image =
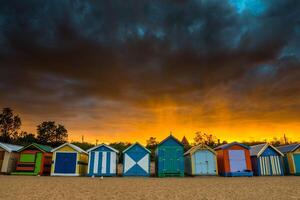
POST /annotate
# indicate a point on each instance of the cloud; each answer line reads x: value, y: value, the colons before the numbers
x: 65, y: 57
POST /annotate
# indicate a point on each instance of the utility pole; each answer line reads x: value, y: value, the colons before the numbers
x: 96, y: 142
x: 285, y: 139
x: 82, y: 138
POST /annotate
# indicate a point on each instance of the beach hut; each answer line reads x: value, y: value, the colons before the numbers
x: 200, y: 160
x: 34, y: 159
x: 8, y: 157
x: 291, y: 158
x: 69, y: 160
x: 103, y: 161
x: 136, y: 161
x: 266, y: 160
x: 234, y: 160
x: 169, y: 158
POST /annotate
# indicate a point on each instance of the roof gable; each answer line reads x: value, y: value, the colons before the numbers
x: 135, y: 145
x: 227, y: 146
x: 10, y: 147
x: 43, y: 148
x: 199, y: 148
x: 76, y: 148
x: 258, y: 150
x: 288, y: 148
x: 102, y: 145
x: 168, y: 139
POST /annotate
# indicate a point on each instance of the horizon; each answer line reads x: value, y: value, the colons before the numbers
x: 115, y: 71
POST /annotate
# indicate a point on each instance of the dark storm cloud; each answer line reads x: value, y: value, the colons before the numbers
x: 62, y: 53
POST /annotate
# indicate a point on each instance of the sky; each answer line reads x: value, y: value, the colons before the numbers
x: 128, y: 70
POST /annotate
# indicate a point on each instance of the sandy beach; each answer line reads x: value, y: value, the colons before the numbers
x: 26, y: 187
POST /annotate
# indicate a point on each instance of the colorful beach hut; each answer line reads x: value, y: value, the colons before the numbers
x: 234, y: 160
x: 200, y: 160
x: 34, y: 159
x: 136, y: 161
x: 8, y: 157
x: 266, y: 160
x: 169, y: 158
x: 291, y: 158
x: 103, y: 161
x: 69, y: 160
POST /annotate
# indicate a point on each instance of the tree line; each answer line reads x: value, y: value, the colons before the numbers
x: 52, y: 134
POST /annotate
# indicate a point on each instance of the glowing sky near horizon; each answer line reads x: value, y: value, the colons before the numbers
x: 125, y: 71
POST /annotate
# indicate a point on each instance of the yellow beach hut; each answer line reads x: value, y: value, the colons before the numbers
x: 69, y: 160
x: 291, y: 158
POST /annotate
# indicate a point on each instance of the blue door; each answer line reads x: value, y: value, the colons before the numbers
x: 297, y: 163
x: 237, y: 160
x: 205, y: 163
x: 65, y: 163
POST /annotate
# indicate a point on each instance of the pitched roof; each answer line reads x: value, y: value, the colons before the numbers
x: 226, y: 146
x: 288, y: 148
x: 41, y: 147
x: 199, y: 147
x: 107, y: 146
x: 138, y: 145
x: 76, y: 148
x: 10, y: 147
x: 257, y: 150
x: 170, y: 137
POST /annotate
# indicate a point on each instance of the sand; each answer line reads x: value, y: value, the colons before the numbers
x: 29, y: 187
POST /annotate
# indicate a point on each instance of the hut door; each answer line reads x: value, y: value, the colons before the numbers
x: 237, y: 160
x: 297, y: 162
x: 65, y: 163
x: 201, y: 165
x: 171, y: 162
x: 1, y: 158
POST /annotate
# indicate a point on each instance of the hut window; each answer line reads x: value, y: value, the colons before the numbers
x: 26, y: 157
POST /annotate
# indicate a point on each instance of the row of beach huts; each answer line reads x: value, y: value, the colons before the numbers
x: 234, y: 159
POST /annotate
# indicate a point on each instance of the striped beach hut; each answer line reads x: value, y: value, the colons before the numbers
x: 103, y: 161
x: 8, y: 157
x: 169, y: 158
x: 291, y: 158
x: 136, y: 161
x: 234, y: 160
x: 69, y: 160
x: 266, y: 160
x: 34, y: 159
x: 200, y: 160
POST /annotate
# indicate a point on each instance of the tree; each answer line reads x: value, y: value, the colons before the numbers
x: 151, y: 145
x: 25, y: 138
x: 49, y: 133
x: 185, y: 143
x: 204, y: 138
x: 9, y: 125
x: 120, y: 146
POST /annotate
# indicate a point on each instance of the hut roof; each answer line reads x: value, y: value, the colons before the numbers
x: 76, y: 148
x: 257, y: 150
x: 289, y: 148
x: 10, y: 147
x: 43, y: 148
x: 199, y: 147
x: 170, y: 137
x: 100, y: 145
x: 226, y: 146
x: 138, y: 145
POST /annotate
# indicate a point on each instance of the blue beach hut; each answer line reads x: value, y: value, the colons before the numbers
x: 169, y: 158
x: 136, y: 161
x: 103, y: 161
x: 266, y: 160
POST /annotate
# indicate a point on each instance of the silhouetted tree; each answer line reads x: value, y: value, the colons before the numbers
x: 51, y: 134
x: 120, y: 146
x: 84, y: 145
x: 204, y: 138
x: 185, y: 143
x: 151, y: 145
x: 9, y: 125
x: 25, y: 138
